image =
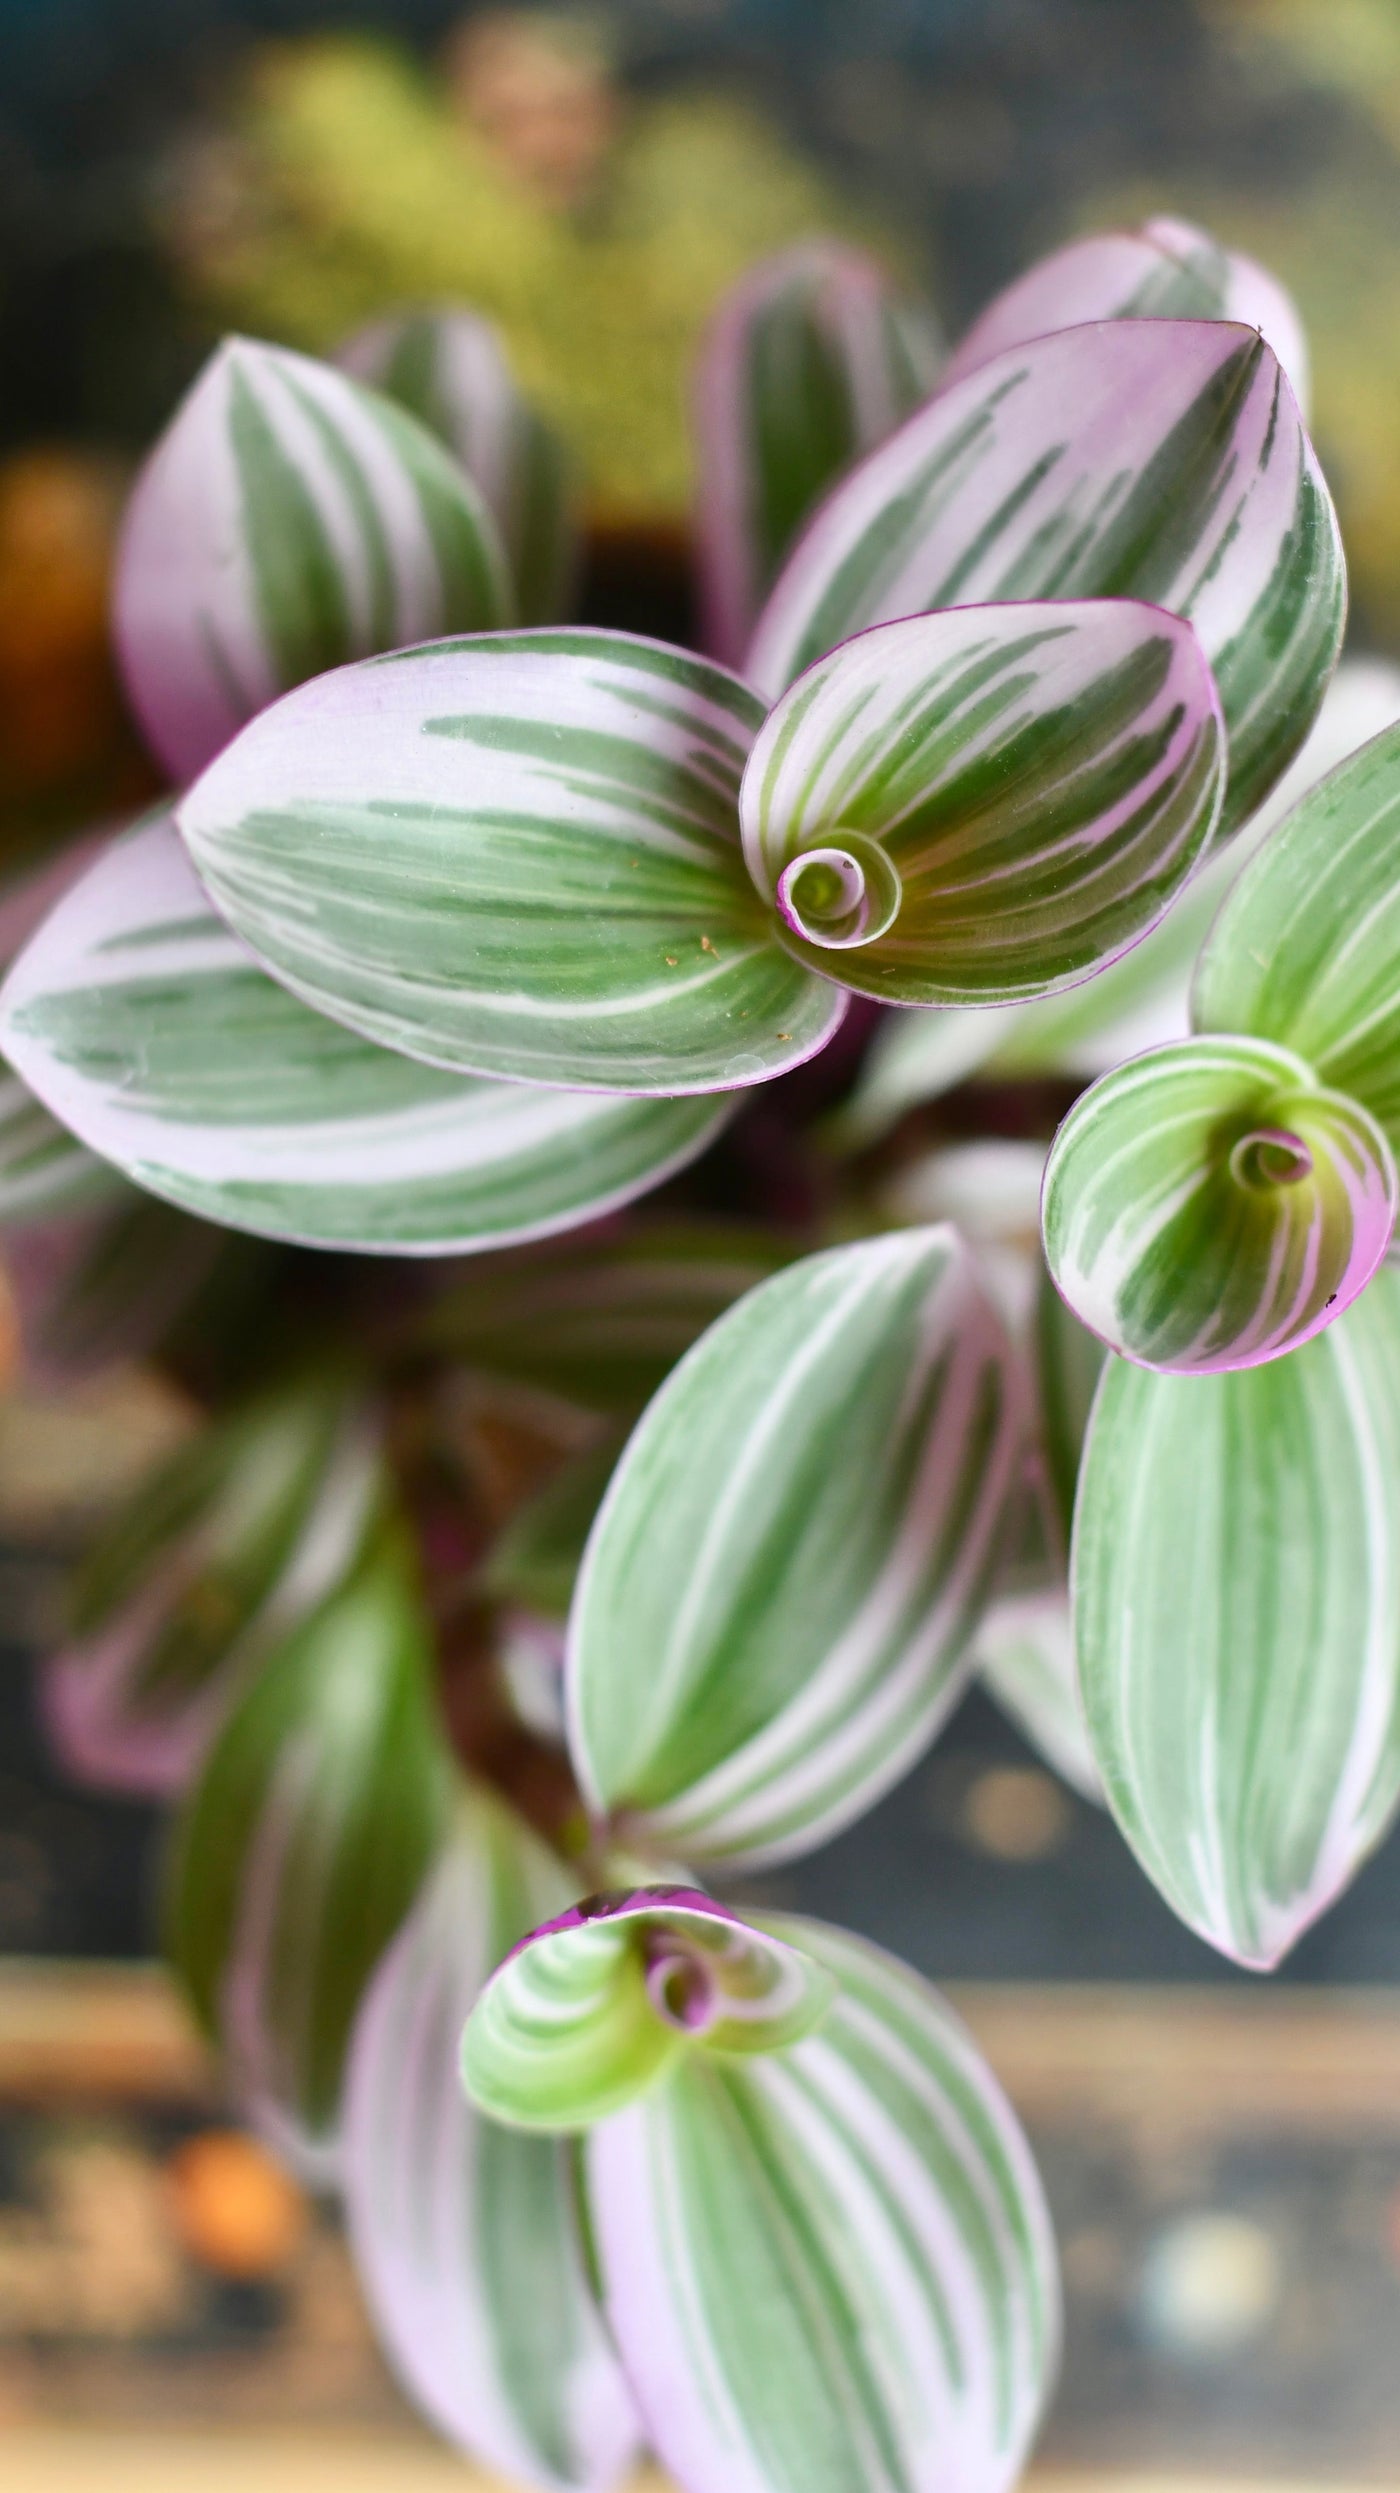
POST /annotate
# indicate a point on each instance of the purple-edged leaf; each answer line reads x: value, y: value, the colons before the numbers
x: 155, y: 1035
x: 810, y: 361
x: 1237, y: 1609
x: 229, y: 1543
x: 304, y: 1842
x: 1136, y: 458
x: 986, y: 804
x: 515, y: 856
x: 1211, y: 1205
x: 831, y: 2267
x: 773, y: 1613
x: 287, y: 520
x: 466, y: 2235
x: 449, y: 369
x: 601, y: 2003
x: 1166, y: 270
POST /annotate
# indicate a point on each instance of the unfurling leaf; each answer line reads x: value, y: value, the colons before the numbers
x: 601, y: 2003
x: 288, y: 520
x: 987, y: 803
x: 1237, y: 1608
x: 305, y: 1841
x: 775, y: 1604
x: 1210, y: 1205
x: 1146, y: 459
x: 466, y: 2235
x: 153, y: 1032
x: 516, y: 856
x: 1306, y: 950
x: 809, y: 362
x: 602, y: 1321
x: 831, y: 2266
x: 448, y: 368
x: 1167, y: 270
x: 216, y: 1557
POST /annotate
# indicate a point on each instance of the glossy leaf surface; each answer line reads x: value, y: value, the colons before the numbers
x: 774, y: 1607
x: 1237, y: 1606
x: 601, y: 2004
x: 1133, y: 458
x: 304, y: 1842
x: 153, y: 1033
x: 448, y: 368
x: 988, y: 803
x: 515, y: 856
x: 831, y: 2266
x: 230, y: 1542
x: 1166, y: 270
x: 466, y: 2235
x: 1306, y: 950
x: 287, y: 520
x: 810, y: 361
x: 1210, y: 1205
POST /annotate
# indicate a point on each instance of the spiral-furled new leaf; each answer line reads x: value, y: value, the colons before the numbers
x: 602, y: 2003
x: 1160, y: 460
x: 515, y: 856
x: 155, y: 1035
x: 287, y: 520
x: 1211, y: 1205
x: 987, y: 803
x: 831, y: 2266
x: 810, y: 361
x: 774, y: 1608
x: 1237, y: 1609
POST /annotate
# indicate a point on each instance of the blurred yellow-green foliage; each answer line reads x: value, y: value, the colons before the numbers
x: 1328, y: 222
x: 345, y: 182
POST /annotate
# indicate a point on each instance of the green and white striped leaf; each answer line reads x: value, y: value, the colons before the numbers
x: 218, y: 1555
x: 774, y: 1609
x: 1140, y: 1001
x: 1166, y: 270
x: 599, y: 2005
x: 1068, y: 1364
x: 1237, y: 1610
x: 831, y: 2267
x: 1146, y: 459
x: 466, y: 2235
x: 1211, y: 1205
x: 1306, y: 950
x: 449, y: 369
x: 601, y: 1321
x: 304, y: 1842
x: 287, y: 520
x: 515, y: 856
x: 152, y: 1032
x: 810, y: 361
x: 1025, y: 1642
x: 985, y: 804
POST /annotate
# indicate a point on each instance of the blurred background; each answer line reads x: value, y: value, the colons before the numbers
x: 1224, y: 2158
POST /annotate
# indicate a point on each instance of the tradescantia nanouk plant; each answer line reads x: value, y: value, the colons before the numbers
x: 506, y: 1602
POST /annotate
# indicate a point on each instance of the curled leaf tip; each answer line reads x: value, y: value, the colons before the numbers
x: 842, y: 894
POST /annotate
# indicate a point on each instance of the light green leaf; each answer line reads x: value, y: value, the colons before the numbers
x: 466, y: 2235
x: 1306, y: 950
x: 1210, y: 1205
x: 602, y: 2003
x: 774, y: 1608
x: 305, y: 1840
x: 976, y: 806
x: 1237, y: 1610
x: 287, y: 520
x: 449, y: 369
x: 515, y: 856
x: 155, y: 1035
x: 831, y: 2267
x: 1161, y: 460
